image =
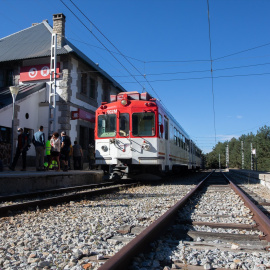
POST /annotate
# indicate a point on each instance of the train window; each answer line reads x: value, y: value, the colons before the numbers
x: 143, y: 124
x: 160, y: 122
x: 106, y: 125
x: 124, y: 124
x: 175, y: 136
x: 166, y: 126
x: 188, y: 145
x: 178, y: 138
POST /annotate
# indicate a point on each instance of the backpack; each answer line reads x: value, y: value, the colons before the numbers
x: 67, y: 144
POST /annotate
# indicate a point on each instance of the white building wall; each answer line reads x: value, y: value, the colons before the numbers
x: 73, y: 123
x: 6, y: 116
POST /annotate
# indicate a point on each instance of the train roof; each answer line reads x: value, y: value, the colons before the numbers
x: 134, y: 95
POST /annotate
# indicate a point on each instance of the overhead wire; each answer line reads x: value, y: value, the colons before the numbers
x: 117, y: 50
x: 178, y: 61
x: 254, y: 48
x: 100, y: 42
x: 212, y: 79
x: 201, y: 78
x: 133, y: 58
x: 195, y: 71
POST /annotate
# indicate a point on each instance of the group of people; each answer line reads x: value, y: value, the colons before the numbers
x: 58, y: 148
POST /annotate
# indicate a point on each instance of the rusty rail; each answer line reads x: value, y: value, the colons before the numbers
x: 122, y: 258
x: 261, y: 219
x: 4, y: 210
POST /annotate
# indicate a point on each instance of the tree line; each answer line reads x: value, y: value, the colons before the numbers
x: 244, y: 152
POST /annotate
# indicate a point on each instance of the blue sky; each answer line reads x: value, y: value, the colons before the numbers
x: 168, y: 41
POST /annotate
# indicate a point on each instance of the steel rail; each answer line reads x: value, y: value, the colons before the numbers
x: 59, y: 190
x: 261, y: 219
x: 59, y: 199
x: 122, y: 258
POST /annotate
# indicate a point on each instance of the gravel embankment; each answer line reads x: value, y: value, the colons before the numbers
x: 68, y: 236
x: 212, y: 206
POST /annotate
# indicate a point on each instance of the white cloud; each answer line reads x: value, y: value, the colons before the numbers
x: 239, y: 116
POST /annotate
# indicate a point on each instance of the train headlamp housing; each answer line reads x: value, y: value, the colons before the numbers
x: 146, y: 146
x: 124, y: 102
x: 104, y: 148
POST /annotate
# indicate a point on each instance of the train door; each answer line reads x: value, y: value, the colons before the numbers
x: 167, y: 141
x: 190, y: 154
x: 161, y: 141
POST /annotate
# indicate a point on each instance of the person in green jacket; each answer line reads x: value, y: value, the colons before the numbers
x: 48, y: 149
x: 48, y: 154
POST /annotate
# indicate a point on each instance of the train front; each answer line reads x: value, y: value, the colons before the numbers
x: 126, y: 134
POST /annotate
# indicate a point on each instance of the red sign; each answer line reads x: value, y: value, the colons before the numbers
x: 81, y: 114
x: 37, y: 72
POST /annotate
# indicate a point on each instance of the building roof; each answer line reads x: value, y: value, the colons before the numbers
x: 35, y: 42
x: 24, y: 90
x: 29, y: 43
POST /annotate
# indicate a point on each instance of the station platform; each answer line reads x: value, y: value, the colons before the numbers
x: 14, y: 182
x: 255, y: 176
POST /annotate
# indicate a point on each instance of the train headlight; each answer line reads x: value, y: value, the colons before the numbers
x: 104, y: 148
x: 146, y: 146
x: 124, y: 102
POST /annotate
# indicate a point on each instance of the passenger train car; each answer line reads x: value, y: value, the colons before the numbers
x: 135, y: 133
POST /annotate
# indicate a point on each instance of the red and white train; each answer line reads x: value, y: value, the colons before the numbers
x: 135, y: 133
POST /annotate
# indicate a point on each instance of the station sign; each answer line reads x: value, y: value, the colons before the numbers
x: 37, y: 72
x: 84, y: 115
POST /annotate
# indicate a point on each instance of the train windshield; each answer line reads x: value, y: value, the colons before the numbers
x: 143, y: 124
x: 106, y: 125
x: 124, y: 124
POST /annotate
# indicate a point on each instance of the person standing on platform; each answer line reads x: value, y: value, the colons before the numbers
x: 55, y: 150
x: 65, y: 148
x: 48, y: 150
x: 91, y: 155
x: 39, y: 143
x: 77, y: 156
x: 22, y: 148
x: 69, y: 156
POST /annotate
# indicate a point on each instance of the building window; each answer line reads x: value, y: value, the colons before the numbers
x: 5, y: 134
x: 92, y: 89
x: 84, y: 83
x: 9, y: 78
x: 2, y: 81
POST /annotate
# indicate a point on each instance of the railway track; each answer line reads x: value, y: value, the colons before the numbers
x: 81, y: 233
x: 218, y: 227
x: 20, y: 202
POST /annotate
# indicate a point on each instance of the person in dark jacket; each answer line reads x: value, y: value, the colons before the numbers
x: 77, y: 156
x: 21, y: 149
x: 39, y: 143
x: 65, y: 149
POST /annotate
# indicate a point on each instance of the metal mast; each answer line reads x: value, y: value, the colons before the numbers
x: 243, y: 157
x: 52, y: 91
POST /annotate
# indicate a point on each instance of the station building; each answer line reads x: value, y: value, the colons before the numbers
x: 81, y: 86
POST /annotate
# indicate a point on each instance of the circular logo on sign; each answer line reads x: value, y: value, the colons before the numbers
x: 32, y: 72
x: 45, y: 71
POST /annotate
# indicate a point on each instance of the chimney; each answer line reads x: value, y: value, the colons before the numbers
x: 59, y: 28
